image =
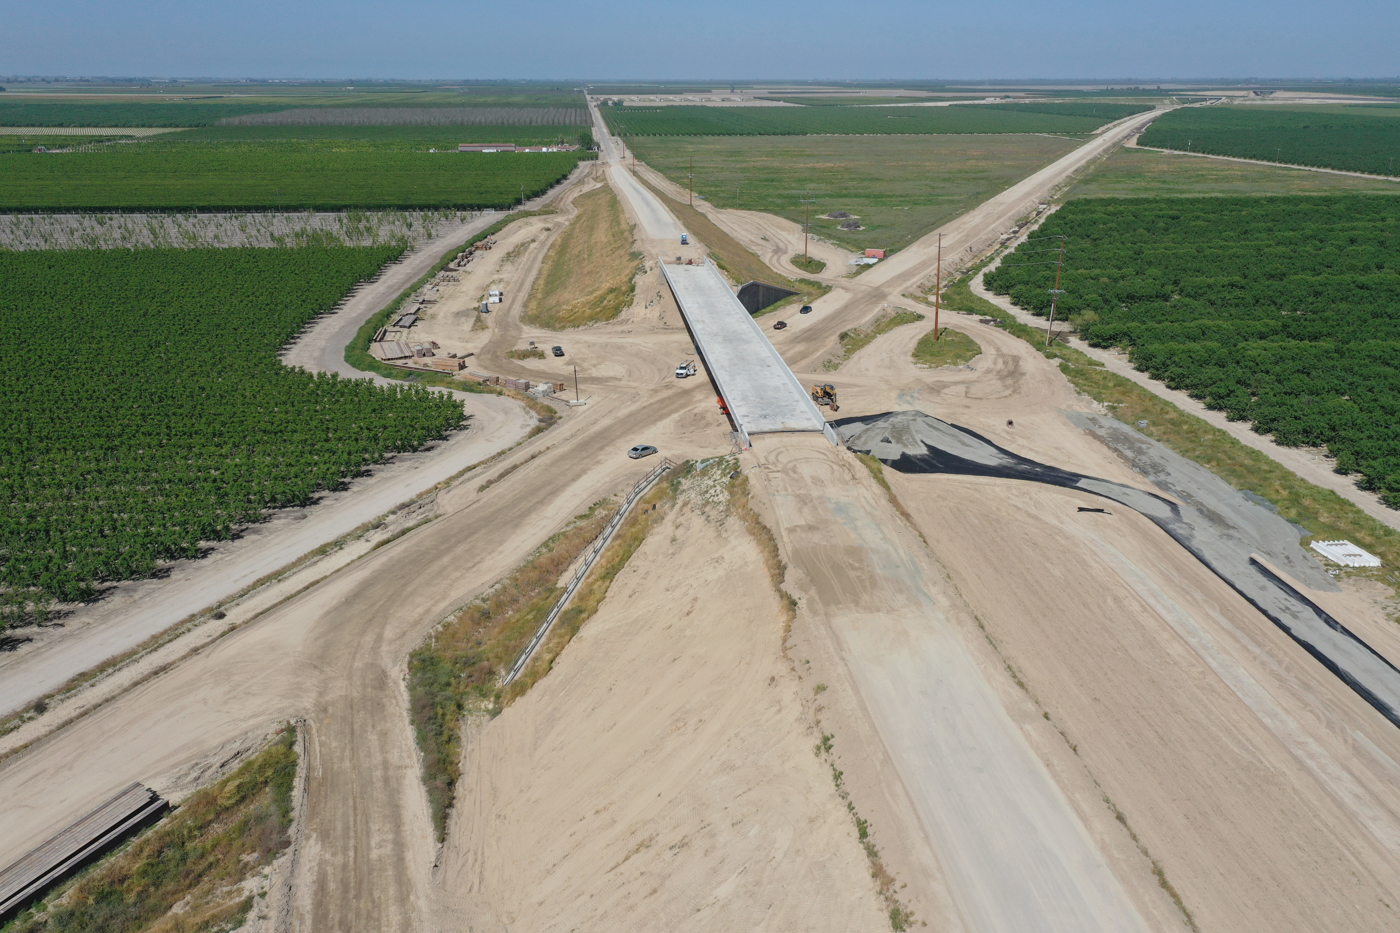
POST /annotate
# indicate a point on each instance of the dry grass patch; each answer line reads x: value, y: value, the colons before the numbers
x: 197, y: 859
x: 588, y: 273
x: 645, y: 516
x: 458, y: 669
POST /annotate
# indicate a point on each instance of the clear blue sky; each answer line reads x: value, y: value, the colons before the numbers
x: 627, y: 39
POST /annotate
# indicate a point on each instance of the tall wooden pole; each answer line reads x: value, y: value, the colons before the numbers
x: 807, y: 227
x: 1055, y: 292
x: 938, y: 287
x: 691, y: 176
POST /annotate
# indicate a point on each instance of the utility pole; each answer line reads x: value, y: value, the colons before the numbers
x: 807, y: 227
x: 691, y: 176
x: 1055, y: 292
x: 522, y: 195
x: 937, y: 287
x: 575, y: 382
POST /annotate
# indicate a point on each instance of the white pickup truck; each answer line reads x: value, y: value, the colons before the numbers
x: 686, y: 369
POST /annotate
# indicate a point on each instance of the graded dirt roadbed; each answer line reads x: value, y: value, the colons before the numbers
x: 1263, y: 787
x: 656, y: 222
x: 1017, y: 854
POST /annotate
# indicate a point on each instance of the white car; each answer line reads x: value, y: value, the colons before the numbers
x: 685, y: 369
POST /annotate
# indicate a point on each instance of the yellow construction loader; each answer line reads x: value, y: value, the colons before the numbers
x: 825, y: 395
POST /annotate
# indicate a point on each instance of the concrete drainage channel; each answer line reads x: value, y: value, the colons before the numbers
x: 1221, y: 528
x: 540, y: 634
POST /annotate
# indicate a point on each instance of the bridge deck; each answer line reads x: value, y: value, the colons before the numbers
x: 762, y: 393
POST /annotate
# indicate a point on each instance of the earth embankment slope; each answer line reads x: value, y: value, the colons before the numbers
x: 662, y: 776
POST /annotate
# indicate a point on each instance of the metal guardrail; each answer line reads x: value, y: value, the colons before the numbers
x: 602, y: 541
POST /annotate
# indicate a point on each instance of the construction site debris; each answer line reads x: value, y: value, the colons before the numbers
x: 1345, y: 553
x: 390, y: 350
x: 77, y: 844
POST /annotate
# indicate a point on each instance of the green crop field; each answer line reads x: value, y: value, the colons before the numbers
x: 1356, y: 142
x: 414, y: 138
x: 851, y: 101
x: 146, y: 410
x: 1132, y: 173
x: 1281, y: 311
x: 322, y: 175
x: 10, y: 144
x: 802, y: 121
x: 897, y: 187
x: 119, y: 112
x: 206, y: 109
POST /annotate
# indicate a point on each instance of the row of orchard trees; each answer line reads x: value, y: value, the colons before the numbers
x: 146, y: 410
x: 1284, y: 312
x: 1366, y: 141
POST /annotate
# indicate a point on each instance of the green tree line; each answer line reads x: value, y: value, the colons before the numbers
x: 1281, y: 311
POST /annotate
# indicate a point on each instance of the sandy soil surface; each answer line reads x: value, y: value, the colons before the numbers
x: 970, y: 774
x: 662, y: 776
x: 775, y: 239
x: 321, y: 348
x: 335, y: 655
x: 1184, y: 706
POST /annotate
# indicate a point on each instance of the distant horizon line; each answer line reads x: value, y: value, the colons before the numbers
x: 715, y: 82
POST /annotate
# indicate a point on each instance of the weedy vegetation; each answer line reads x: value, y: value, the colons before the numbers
x: 186, y: 873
